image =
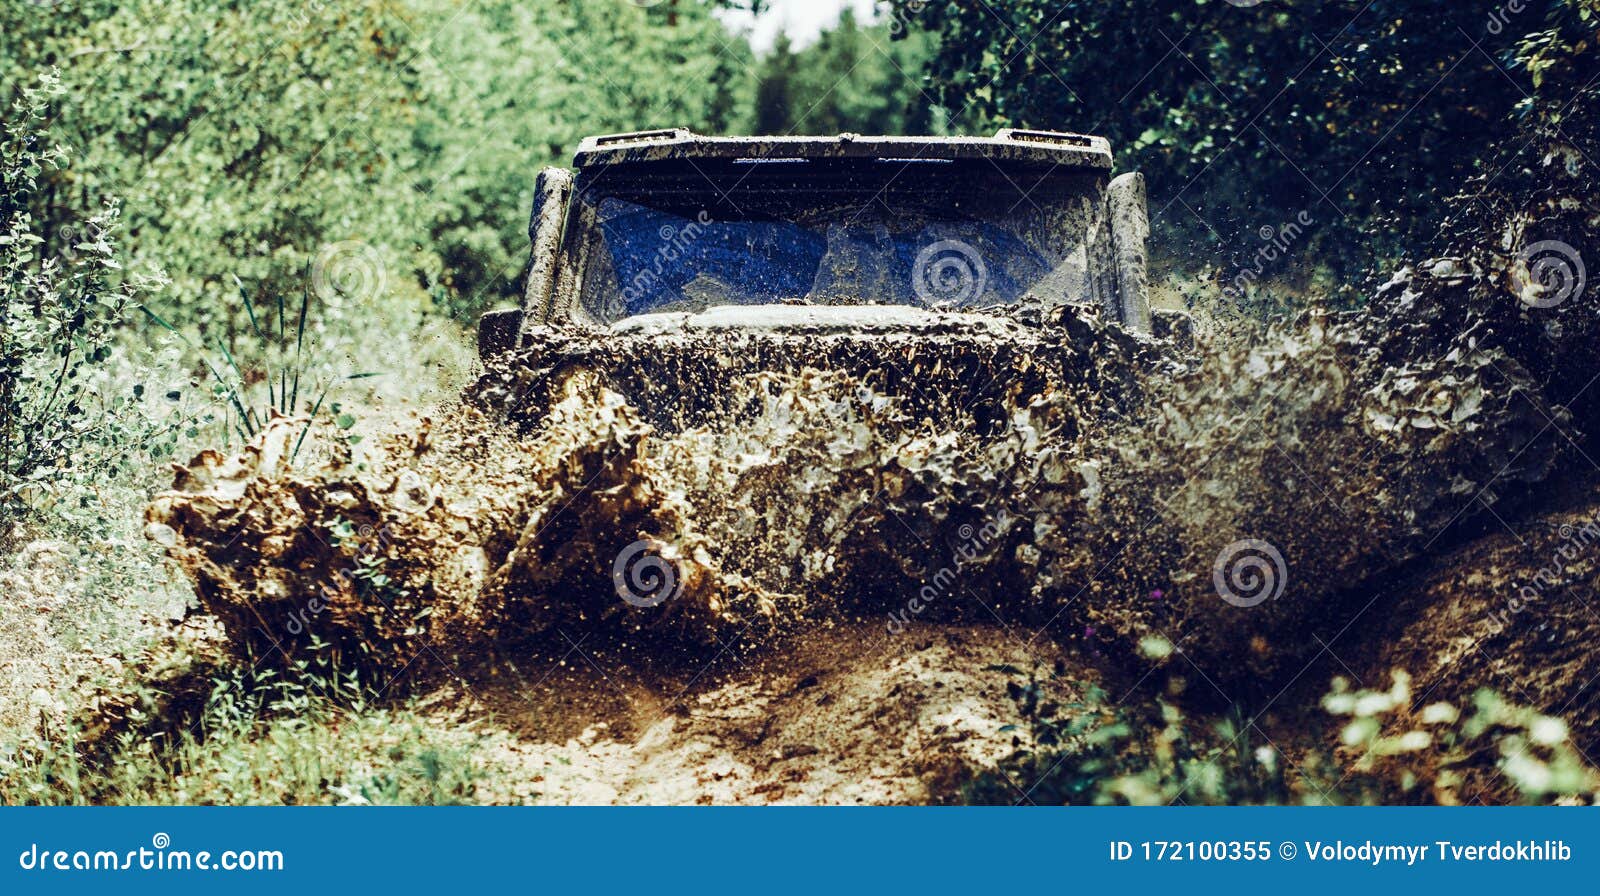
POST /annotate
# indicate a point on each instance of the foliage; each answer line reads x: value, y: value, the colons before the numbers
x: 1446, y: 756
x: 1086, y: 752
x: 1360, y: 114
x: 309, y: 738
x: 58, y: 311
x: 856, y: 78
x: 239, y: 136
x: 271, y: 129
x: 282, y: 359
x: 1549, y: 160
x: 516, y: 85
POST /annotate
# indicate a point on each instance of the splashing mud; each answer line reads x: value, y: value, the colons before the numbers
x: 681, y: 492
x: 781, y: 479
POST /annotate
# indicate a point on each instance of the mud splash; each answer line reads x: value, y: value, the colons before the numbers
x: 1227, y: 501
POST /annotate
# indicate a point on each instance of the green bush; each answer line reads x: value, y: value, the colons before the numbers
x: 247, y: 139
x: 1390, y: 751
x: 806, y: 91
x: 515, y: 85
x: 1362, y: 114
x: 59, y: 310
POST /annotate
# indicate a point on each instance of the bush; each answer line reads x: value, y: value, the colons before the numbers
x: 402, y: 138
x: 58, y: 313
x: 1390, y: 751
x: 1243, y: 115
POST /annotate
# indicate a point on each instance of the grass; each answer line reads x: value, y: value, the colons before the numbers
x: 283, y: 359
x: 306, y: 739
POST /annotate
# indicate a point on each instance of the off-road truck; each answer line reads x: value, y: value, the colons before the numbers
x: 668, y: 230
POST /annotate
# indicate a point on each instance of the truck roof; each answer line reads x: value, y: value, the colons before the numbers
x: 1011, y: 146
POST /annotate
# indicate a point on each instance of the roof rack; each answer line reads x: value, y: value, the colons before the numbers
x: 1007, y: 146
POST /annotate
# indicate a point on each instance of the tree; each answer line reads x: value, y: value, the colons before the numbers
x: 247, y: 138
x: 855, y: 79
x: 1357, y: 113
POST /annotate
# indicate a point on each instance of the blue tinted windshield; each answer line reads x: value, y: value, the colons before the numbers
x: 659, y: 261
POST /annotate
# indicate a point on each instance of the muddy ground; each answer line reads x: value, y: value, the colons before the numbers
x: 847, y: 715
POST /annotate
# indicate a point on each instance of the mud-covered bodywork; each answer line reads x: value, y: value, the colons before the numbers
x: 668, y: 222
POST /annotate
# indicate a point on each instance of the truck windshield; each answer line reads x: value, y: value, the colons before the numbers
x: 938, y: 248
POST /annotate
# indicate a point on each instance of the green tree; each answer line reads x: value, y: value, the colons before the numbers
x: 863, y: 79
x: 1361, y: 114
x: 241, y: 136
x: 516, y: 86
x: 247, y: 138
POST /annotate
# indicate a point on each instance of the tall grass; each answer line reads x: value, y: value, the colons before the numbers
x: 282, y: 359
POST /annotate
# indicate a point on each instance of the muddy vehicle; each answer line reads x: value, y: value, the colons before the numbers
x: 670, y: 230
